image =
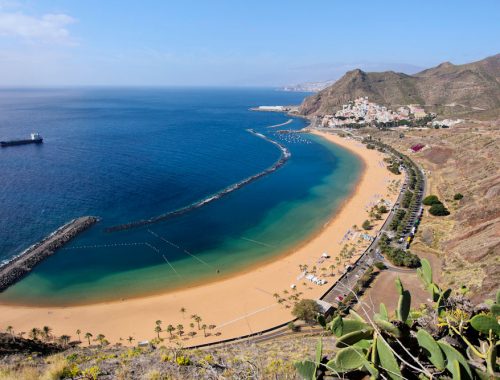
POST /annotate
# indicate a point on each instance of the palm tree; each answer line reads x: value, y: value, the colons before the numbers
x: 191, y: 325
x: 197, y: 319
x: 34, y: 332
x: 158, y: 330
x: 130, y: 339
x: 332, y: 267
x: 211, y: 327
x: 46, y: 332
x: 158, y: 322
x: 180, y: 329
x: 192, y: 334
x: 78, y: 332
x: 21, y: 333
x: 170, y: 329
x: 10, y: 330
x: 64, y: 339
x: 183, y: 312
x: 204, y: 328
x: 88, y: 336
x: 100, y: 339
x: 276, y: 295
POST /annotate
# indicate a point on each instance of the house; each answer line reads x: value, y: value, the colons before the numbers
x: 325, y: 308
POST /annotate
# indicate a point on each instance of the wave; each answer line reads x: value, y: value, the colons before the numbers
x: 285, y: 155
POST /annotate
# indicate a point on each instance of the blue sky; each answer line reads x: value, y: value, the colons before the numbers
x: 234, y: 43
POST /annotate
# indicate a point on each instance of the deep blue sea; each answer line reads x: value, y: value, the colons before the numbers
x: 131, y: 154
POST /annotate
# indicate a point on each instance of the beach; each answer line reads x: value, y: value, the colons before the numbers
x: 244, y: 303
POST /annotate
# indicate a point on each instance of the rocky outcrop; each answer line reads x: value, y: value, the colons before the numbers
x: 21, y: 265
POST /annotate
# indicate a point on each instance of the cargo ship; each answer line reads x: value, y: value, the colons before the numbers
x: 35, y: 138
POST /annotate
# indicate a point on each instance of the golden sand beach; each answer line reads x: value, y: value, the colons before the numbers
x: 241, y: 304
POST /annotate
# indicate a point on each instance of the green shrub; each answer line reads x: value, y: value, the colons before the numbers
x: 431, y: 200
x: 402, y: 258
x: 458, y: 196
x: 306, y: 309
x: 379, y: 265
x: 366, y: 225
x: 293, y: 327
x: 438, y: 209
x: 183, y: 360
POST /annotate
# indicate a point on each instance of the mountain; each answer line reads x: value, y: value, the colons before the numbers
x: 447, y: 89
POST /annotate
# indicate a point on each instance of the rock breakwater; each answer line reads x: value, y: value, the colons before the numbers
x: 18, y: 267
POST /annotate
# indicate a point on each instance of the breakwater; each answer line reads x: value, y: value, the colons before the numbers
x: 285, y: 155
x: 282, y: 124
x: 18, y: 267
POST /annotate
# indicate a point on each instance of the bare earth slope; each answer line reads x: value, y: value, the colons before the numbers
x: 448, y: 89
x: 460, y: 160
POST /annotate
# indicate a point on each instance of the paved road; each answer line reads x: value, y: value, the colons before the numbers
x: 344, y: 285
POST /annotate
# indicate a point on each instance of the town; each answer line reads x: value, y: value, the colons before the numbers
x: 361, y: 112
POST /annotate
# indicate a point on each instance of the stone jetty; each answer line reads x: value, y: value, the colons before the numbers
x: 21, y: 265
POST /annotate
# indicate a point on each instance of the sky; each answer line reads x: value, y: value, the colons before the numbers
x: 234, y: 42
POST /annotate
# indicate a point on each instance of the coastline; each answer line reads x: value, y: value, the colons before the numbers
x: 248, y: 304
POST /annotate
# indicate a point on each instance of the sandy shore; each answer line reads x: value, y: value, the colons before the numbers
x: 242, y: 304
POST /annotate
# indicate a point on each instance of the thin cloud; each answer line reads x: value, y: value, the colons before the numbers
x: 48, y: 28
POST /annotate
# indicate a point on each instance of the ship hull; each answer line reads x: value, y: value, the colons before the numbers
x: 4, y: 144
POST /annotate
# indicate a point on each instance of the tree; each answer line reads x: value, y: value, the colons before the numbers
x: 88, y: 336
x: 332, y: 267
x: 197, y: 319
x: 430, y: 200
x: 438, y: 209
x: 204, y: 328
x: 100, y: 338
x: 158, y: 322
x: 130, y: 339
x: 158, y: 331
x: 170, y: 330
x: 34, y: 332
x: 382, y: 209
x: 366, y: 225
x: 46, y: 332
x: 191, y: 325
x: 211, y: 327
x: 458, y: 196
x: 183, y: 311
x: 64, y: 339
x: 192, y: 334
x: 78, y: 332
x: 307, y: 310
x: 180, y: 329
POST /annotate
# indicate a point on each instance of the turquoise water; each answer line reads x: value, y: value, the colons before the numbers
x: 132, y: 154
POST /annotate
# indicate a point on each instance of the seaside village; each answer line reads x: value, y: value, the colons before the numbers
x: 361, y: 112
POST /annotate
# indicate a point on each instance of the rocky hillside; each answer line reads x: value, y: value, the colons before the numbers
x: 470, y: 89
x: 460, y: 160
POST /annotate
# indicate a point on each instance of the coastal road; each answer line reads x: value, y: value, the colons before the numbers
x: 341, y: 287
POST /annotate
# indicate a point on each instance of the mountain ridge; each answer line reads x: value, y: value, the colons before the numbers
x: 446, y: 89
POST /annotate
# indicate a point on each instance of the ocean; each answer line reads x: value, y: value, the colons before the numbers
x: 132, y: 154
